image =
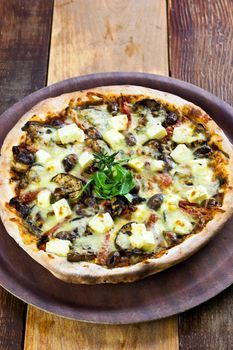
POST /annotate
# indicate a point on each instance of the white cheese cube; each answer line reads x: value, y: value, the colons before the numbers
x: 203, y: 175
x: 197, y: 194
x: 141, y: 214
x: 182, y: 154
x: 42, y: 156
x: 179, y: 222
x: 70, y: 133
x: 61, y: 209
x: 182, y: 226
x: 54, y: 166
x: 114, y: 138
x: 119, y: 122
x: 101, y: 222
x: 59, y: 247
x: 171, y: 202
x: 183, y: 134
x: 86, y: 159
x: 155, y: 131
x: 136, y: 164
x: 43, y: 199
x: 157, y: 165
x: 141, y: 238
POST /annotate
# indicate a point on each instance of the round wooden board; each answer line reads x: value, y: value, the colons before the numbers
x: 172, y: 291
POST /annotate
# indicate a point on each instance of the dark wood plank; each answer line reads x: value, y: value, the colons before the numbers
x: 24, y: 43
x: 200, y: 42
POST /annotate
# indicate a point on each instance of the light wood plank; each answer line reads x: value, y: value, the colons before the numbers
x: 106, y: 35
x: 45, y: 331
x: 96, y: 36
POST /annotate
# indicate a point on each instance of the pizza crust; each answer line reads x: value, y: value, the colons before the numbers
x: 90, y: 273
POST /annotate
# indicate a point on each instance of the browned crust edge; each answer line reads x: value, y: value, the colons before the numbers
x: 89, y: 273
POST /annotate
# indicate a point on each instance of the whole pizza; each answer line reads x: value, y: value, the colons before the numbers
x: 114, y: 183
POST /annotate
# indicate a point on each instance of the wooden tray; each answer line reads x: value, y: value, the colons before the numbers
x: 175, y: 290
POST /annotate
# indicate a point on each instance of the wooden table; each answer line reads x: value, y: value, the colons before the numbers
x: 41, y: 42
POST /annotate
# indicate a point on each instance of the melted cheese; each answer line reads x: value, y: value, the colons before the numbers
x: 192, y: 179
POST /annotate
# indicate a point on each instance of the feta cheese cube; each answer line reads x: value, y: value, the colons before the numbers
x: 157, y: 165
x: 61, y: 209
x: 43, y: 199
x: 197, y: 194
x: 54, y: 166
x: 136, y: 164
x: 119, y: 122
x: 114, y: 138
x: 182, y: 154
x: 141, y: 214
x: 179, y: 222
x: 86, y: 159
x: 101, y: 222
x: 182, y: 226
x: 183, y: 134
x: 155, y: 131
x: 42, y: 156
x: 70, y: 133
x: 141, y: 238
x: 171, y: 202
x: 59, y: 247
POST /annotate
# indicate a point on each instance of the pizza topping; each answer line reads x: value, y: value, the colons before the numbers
x: 59, y: 247
x: 130, y: 139
x: 203, y: 151
x: 155, y: 201
x: 116, y: 181
x: 70, y: 133
x: 171, y: 119
x: 22, y: 155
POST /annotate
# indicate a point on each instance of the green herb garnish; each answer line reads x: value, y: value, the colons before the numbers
x: 111, y: 178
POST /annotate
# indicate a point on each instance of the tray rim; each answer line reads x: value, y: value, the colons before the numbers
x: 48, y: 91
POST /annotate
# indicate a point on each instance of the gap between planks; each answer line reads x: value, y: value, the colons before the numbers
x: 96, y: 36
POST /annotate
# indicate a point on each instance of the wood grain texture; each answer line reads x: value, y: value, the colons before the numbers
x: 201, y: 44
x: 45, y: 331
x: 12, y: 318
x: 98, y: 36
x: 201, y: 52
x: 94, y: 36
x: 24, y: 41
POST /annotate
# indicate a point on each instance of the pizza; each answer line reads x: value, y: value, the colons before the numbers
x: 114, y: 183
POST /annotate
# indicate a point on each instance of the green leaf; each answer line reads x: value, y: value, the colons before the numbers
x: 111, y: 179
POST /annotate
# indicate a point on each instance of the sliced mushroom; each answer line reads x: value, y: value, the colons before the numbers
x: 68, y: 235
x: 23, y: 209
x: 203, y: 151
x: 74, y: 256
x: 155, y: 201
x: 122, y: 241
x: 93, y: 133
x: 130, y: 139
x: 113, y: 259
x: 149, y: 103
x: 69, y: 162
x: 171, y: 119
x: 113, y: 108
x: 22, y: 155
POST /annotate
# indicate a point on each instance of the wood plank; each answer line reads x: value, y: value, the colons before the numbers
x: 201, y: 34
x: 24, y: 41
x: 45, y: 331
x: 201, y: 39
x: 94, y: 36
x: 100, y: 36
